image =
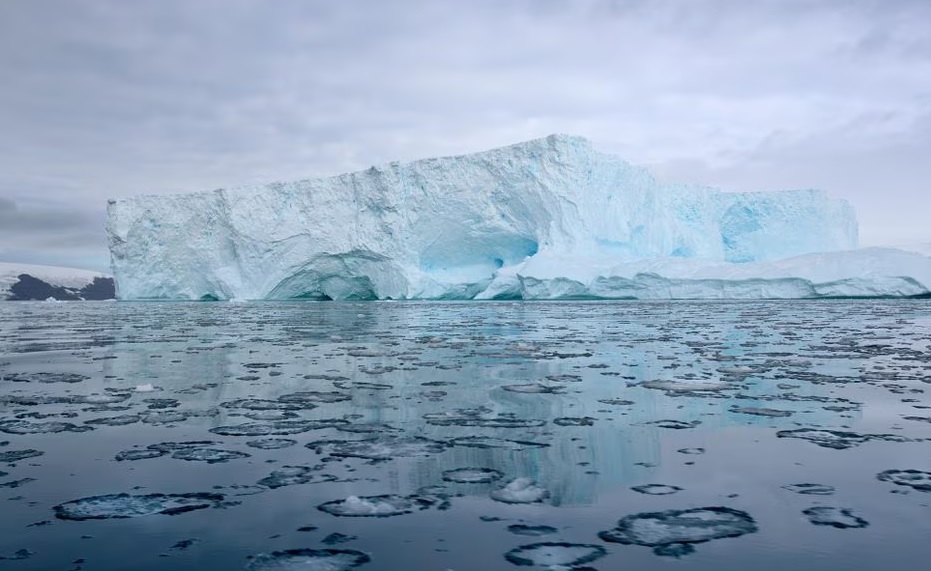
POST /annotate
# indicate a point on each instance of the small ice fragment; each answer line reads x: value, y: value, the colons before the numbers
x: 555, y: 555
x: 376, y: 506
x: 520, y: 491
x: 841, y: 518
x: 308, y: 559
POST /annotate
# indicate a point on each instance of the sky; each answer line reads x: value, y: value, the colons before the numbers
x: 111, y: 98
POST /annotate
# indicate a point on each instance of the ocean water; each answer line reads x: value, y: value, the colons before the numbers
x: 461, y: 436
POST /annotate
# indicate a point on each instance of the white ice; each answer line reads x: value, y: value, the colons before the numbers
x: 549, y: 218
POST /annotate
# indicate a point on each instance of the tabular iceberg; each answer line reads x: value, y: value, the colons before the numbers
x: 549, y: 218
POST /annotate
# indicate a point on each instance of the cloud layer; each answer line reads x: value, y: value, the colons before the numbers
x: 113, y: 98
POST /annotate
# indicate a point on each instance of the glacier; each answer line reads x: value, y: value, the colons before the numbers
x: 550, y: 218
x: 20, y: 282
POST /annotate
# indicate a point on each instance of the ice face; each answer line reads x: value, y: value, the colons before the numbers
x: 549, y: 218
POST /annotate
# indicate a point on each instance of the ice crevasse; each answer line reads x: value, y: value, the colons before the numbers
x: 544, y: 219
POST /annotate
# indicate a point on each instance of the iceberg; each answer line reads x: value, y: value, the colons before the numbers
x: 550, y: 218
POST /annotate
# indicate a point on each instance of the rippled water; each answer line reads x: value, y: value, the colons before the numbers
x: 465, y: 435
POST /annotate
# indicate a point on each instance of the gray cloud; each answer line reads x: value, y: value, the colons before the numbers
x: 116, y: 98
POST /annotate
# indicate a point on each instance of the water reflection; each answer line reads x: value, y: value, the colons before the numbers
x: 584, y: 400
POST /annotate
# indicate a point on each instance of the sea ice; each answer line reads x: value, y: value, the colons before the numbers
x: 531, y: 530
x: 308, y: 560
x: 294, y: 475
x: 377, y: 506
x: 673, y: 532
x: 128, y: 506
x: 472, y: 475
x: 842, y: 518
x: 656, y: 489
x: 555, y: 556
x: 917, y: 479
x: 385, y: 447
x: 810, y: 489
x: 520, y: 491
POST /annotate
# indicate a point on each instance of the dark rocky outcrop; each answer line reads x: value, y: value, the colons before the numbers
x: 31, y: 288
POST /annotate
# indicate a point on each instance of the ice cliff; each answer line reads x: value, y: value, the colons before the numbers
x: 548, y: 218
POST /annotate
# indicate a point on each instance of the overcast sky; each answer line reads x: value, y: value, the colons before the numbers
x: 114, y: 98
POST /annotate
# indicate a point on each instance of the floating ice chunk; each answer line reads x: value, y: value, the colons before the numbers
x: 479, y: 417
x: 266, y: 404
x: 277, y: 428
x: 308, y: 560
x: 757, y: 411
x: 810, y: 489
x: 195, y: 451
x: 109, y: 398
x: 294, y: 475
x: 305, y: 397
x: 143, y: 454
x: 119, y: 420
x: 26, y: 427
x: 672, y: 532
x: 555, y: 556
x: 146, y: 388
x: 336, y: 538
x: 368, y: 428
x: 377, y: 506
x: 270, y: 415
x: 494, y: 442
x: 675, y: 424
x: 128, y: 506
x: 842, y: 518
x: 531, y: 530
x: 687, y: 386
x: 385, y: 447
x: 917, y: 479
x: 574, y: 421
x: 18, y: 555
x: 271, y: 443
x: 740, y: 370
x: 535, y: 388
x: 45, y: 377
x: 520, y: 491
x: 837, y: 439
x: 616, y: 402
x: 208, y: 455
x: 17, y: 483
x: 11, y: 456
x: 361, y: 385
x: 656, y: 489
x: 472, y: 475
x: 691, y: 451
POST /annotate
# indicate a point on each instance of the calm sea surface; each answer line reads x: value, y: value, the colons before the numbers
x: 465, y: 436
